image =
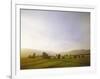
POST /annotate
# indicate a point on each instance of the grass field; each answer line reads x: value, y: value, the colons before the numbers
x: 39, y: 62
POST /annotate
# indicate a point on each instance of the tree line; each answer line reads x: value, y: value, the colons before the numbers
x: 58, y: 56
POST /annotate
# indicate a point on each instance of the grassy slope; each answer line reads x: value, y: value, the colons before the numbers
x: 36, y: 63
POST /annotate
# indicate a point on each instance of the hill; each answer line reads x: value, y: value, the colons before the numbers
x: 26, y: 52
x: 76, y: 52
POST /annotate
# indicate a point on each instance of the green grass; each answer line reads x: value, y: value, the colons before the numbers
x: 39, y: 62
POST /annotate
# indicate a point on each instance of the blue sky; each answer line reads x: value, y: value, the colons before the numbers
x: 55, y: 30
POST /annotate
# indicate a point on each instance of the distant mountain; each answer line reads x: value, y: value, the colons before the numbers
x: 75, y: 52
x: 26, y: 52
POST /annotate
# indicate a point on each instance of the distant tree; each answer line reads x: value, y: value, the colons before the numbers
x: 30, y: 56
x: 74, y: 56
x: 34, y: 55
x: 63, y: 57
x: 66, y: 55
x: 45, y: 55
x: 78, y: 56
x: 59, y: 56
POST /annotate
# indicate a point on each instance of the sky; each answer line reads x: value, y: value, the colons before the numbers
x: 56, y: 31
